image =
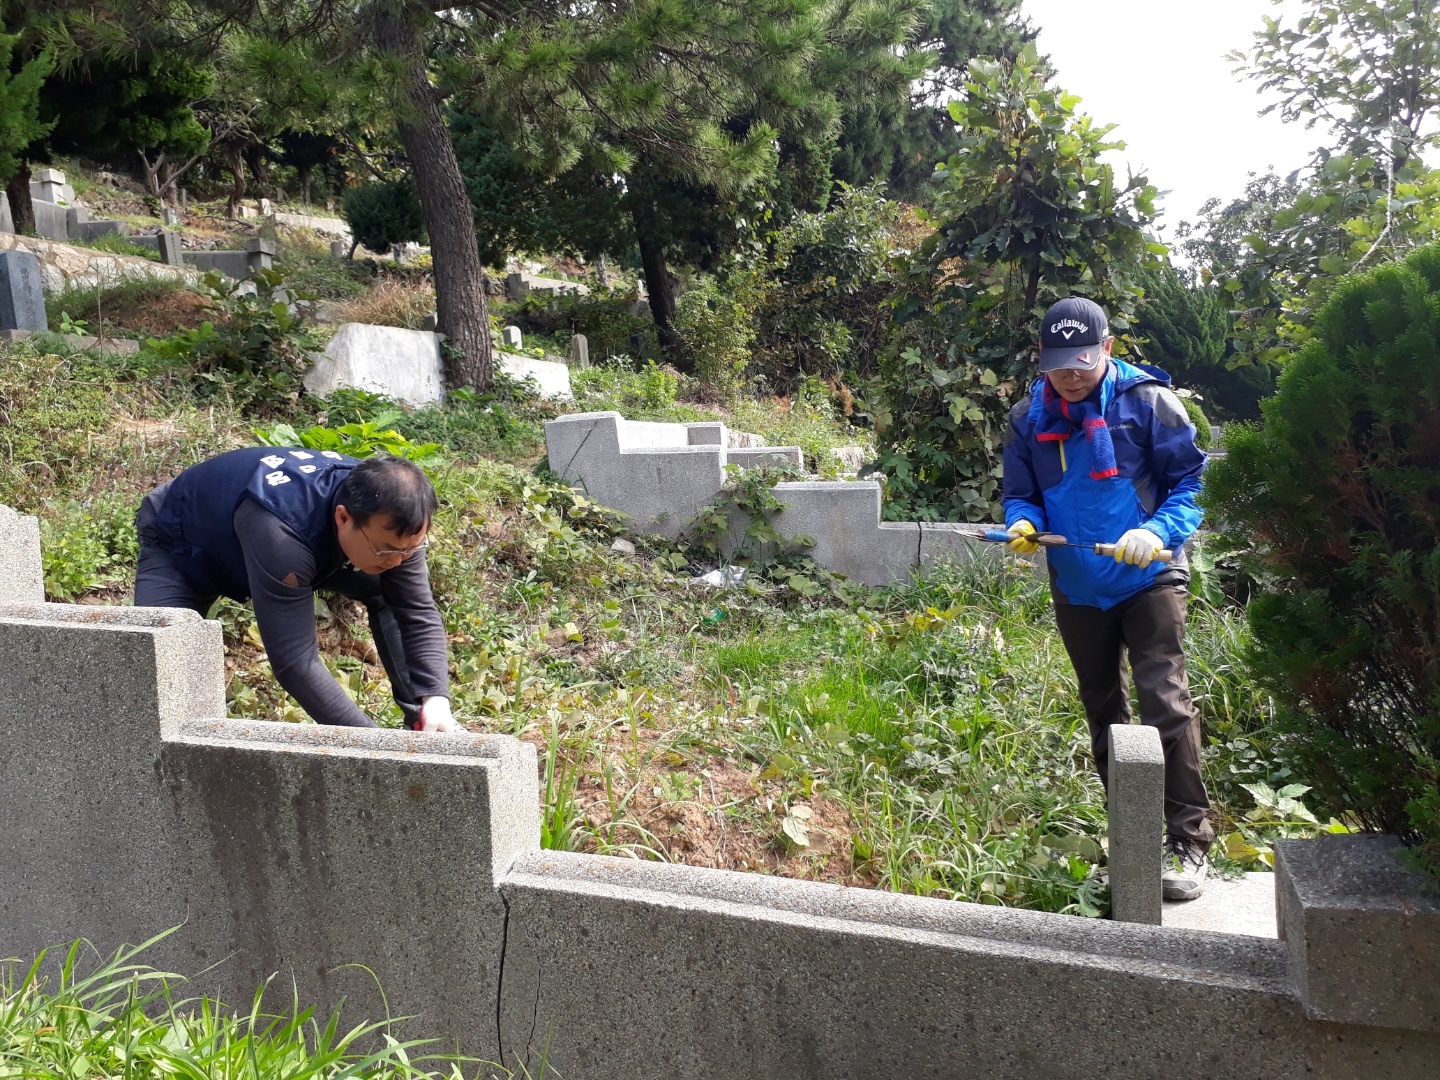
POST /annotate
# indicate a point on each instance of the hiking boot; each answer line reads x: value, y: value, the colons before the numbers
x: 1183, y: 869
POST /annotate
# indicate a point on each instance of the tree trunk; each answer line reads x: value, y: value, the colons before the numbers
x: 237, y: 190
x: 463, y: 316
x: 303, y: 172
x: 658, y: 282
x: 22, y: 211
x: 259, y: 167
x: 152, y: 172
x: 169, y: 175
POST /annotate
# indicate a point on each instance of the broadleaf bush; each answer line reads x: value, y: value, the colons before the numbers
x: 1338, y: 491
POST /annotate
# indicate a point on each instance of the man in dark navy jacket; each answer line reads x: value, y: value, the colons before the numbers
x: 275, y: 524
x: 1102, y: 451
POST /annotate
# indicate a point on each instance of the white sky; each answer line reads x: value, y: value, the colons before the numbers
x: 1157, y: 69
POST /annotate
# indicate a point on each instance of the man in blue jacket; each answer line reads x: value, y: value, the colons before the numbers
x: 1101, y: 451
x: 278, y: 523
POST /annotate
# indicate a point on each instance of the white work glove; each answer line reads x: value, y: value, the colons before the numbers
x: 435, y: 715
x: 1020, y: 543
x: 1137, y: 547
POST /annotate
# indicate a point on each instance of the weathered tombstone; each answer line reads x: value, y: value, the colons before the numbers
x: 170, y: 216
x: 76, y: 216
x: 516, y: 286
x: 430, y: 321
x: 49, y: 186
x: 50, y: 221
x: 511, y: 337
x: 22, y: 300
x: 89, y: 231
x: 171, y: 253
x: 265, y: 208
x: 337, y: 249
x: 184, y: 199
x: 7, y: 220
x: 579, y: 354
x: 258, y: 254
x: 1136, y: 806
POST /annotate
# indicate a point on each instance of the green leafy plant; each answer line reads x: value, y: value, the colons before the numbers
x: 362, y: 439
x: 716, y: 330
x: 258, y: 352
x: 1336, y: 492
x: 85, y: 546
x: 71, y: 326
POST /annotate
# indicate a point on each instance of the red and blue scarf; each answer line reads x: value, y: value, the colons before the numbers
x: 1059, y: 419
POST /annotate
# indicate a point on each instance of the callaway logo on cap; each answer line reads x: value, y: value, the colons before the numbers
x: 1072, y: 333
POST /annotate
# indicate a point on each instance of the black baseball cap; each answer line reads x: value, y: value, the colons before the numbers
x: 1072, y: 334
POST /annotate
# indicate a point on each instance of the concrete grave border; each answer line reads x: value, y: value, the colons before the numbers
x: 663, y: 475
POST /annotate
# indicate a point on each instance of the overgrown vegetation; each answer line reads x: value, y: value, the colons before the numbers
x: 924, y: 737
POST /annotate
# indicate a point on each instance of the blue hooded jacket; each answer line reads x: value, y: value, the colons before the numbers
x: 1049, y: 484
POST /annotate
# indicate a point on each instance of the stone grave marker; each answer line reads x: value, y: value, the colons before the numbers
x: 579, y: 354
x: 22, y: 301
x: 337, y: 249
x: 258, y: 254
x: 171, y: 253
x: 516, y: 287
x: 511, y: 338
x: 7, y: 220
x: 49, y: 186
x: 170, y: 216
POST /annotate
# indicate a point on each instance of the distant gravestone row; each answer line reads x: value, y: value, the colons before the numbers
x: 58, y: 219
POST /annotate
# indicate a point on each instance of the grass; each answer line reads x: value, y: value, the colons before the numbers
x: 118, y: 245
x: 388, y: 303
x: 131, y: 306
x: 922, y: 738
x: 78, y: 1014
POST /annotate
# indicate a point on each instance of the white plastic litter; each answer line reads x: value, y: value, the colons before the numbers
x: 726, y: 577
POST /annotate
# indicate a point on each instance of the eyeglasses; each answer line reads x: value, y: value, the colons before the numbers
x: 390, y: 553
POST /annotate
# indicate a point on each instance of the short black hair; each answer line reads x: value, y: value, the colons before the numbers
x: 393, y: 486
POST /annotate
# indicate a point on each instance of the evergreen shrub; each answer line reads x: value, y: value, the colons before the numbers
x: 383, y: 214
x: 1339, y: 491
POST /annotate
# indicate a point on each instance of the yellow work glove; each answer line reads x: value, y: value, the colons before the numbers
x: 1137, y: 547
x: 1020, y: 542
